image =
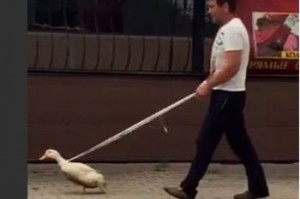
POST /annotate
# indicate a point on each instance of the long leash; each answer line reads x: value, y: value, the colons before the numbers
x: 134, y: 127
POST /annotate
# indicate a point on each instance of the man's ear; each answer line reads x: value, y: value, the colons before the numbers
x: 226, y: 7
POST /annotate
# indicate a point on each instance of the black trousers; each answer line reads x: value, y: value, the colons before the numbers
x: 225, y: 116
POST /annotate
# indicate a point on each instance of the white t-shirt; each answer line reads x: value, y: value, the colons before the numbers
x: 231, y: 36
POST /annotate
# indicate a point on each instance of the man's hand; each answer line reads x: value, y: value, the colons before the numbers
x: 203, y: 90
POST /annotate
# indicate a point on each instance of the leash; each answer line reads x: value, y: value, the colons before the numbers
x: 134, y: 127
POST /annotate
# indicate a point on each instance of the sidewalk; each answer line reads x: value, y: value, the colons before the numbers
x: 142, y: 181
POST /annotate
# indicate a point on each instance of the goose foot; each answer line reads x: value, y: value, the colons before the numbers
x: 102, y: 187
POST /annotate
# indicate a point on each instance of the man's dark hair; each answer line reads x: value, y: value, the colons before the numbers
x: 231, y: 4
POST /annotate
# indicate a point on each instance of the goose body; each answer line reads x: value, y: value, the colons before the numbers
x: 79, y: 173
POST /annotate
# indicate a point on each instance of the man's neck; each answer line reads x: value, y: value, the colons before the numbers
x: 227, y: 19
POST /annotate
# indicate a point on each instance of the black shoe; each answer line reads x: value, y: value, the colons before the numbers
x: 247, y: 195
x: 177, y: 193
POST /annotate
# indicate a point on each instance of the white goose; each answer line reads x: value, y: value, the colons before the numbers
x: 78, y: 173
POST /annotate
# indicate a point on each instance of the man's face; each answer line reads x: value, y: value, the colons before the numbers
x: 217, y: 12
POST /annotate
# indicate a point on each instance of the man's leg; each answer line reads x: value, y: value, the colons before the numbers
x: 209, y: 137
x: 206, y: 144
x: 240, y: 143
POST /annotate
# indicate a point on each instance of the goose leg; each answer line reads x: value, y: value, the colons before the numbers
x: 102, y: 186
x: 83, y: 190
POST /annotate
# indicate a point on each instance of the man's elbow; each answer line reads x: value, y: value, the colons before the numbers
x: 235, y: 69
x: 232, y: 70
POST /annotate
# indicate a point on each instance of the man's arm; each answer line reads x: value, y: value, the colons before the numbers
x: 233, y: 45
x: 231, y: 67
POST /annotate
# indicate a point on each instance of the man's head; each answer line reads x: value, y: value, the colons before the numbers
x: 220, y: 10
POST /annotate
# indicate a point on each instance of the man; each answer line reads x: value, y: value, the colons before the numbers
x: 229, y: 60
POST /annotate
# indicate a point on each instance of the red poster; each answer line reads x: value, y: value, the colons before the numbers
x: 274, y: 30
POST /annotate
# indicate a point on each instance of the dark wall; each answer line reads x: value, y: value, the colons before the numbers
x: 73, y: 113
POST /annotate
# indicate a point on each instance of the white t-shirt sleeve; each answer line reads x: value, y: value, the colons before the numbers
x: 233, y: 39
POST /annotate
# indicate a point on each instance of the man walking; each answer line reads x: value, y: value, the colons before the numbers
x: 226, y: 83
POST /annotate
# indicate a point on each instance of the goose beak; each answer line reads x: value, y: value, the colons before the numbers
x: 43, y: 157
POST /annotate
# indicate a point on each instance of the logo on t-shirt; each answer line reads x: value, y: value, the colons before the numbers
x: 219, y: 40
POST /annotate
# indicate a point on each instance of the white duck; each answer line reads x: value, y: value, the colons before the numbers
x: 78, y: 173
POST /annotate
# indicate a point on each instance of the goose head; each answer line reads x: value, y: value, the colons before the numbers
x: 51, y: 154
